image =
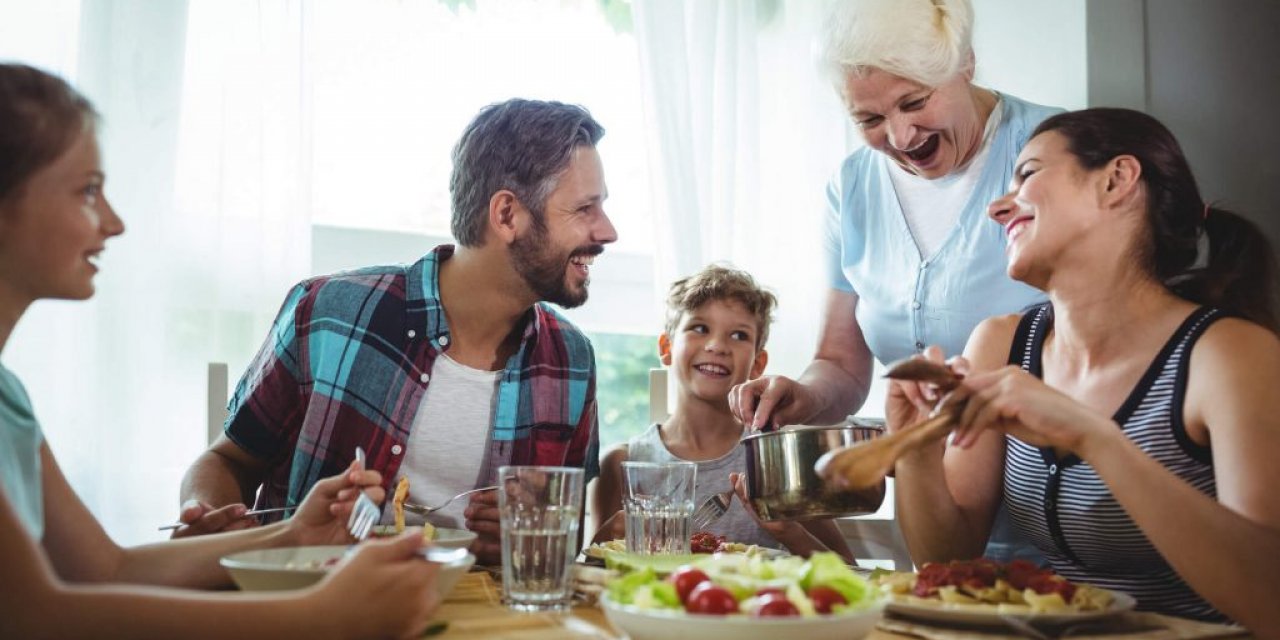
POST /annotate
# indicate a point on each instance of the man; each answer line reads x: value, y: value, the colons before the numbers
x: 443, y: 370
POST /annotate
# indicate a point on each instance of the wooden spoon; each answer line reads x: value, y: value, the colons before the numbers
x: 867, y: 463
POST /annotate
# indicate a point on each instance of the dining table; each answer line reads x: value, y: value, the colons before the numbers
x: 474, y: 609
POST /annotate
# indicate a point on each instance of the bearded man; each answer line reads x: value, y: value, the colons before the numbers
x: 444, y: 370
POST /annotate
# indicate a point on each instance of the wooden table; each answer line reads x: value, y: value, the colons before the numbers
x: 474, y: 610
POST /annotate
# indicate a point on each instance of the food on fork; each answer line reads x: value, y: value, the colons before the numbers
x: 1016, y: 587
x: 397, y: 503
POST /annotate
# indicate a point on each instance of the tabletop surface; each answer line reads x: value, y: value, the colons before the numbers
x: 474, y: 610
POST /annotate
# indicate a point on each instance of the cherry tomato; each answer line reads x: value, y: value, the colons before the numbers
x: 825, y: 598
x: 685, y: 579
x: 776, y: 606
x: 712, y: 599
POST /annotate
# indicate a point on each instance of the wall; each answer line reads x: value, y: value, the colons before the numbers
x: 1211, y: 72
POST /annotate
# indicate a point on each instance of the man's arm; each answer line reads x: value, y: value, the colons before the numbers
x: 223, y: 476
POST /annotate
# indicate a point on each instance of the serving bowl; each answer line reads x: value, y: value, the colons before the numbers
x: 666, y: 624
x: 782, y: 484
x: 289, y: 568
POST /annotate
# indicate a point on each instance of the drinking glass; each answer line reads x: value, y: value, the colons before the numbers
x: 539, y: 509
x: 658, y: 502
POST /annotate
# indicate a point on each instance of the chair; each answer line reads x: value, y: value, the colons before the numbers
x: 659, y: 396
x: 217, y: 399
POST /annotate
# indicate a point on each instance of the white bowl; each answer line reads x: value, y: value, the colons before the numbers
x: 659, y: 624
x: 299, y: 567
x: 450, y: 538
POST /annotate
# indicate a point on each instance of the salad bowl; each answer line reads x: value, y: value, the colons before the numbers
x: 664, y: 624
x: 734, y: 597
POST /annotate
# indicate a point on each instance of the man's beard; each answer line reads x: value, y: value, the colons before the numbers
x: 545, y: 271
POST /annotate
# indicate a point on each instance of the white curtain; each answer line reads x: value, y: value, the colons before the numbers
x: 745, y: 133
x: 203, y: 147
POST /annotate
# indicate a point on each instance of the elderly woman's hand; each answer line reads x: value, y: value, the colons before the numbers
x: 775, y: 400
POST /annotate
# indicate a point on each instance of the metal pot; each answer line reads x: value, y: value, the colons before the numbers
x: 781, y: 482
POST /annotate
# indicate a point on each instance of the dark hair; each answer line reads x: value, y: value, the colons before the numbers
x: 40, y: 117
x: 1204, y: 254
x: 518, y: 145
x: 721, y: 282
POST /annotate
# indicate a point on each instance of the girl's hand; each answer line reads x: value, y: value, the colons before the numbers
x: 322, y: 516
x: 384, y: 590
x: 1018, y: 403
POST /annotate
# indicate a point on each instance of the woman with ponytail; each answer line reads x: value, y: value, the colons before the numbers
x: 1130, y: 424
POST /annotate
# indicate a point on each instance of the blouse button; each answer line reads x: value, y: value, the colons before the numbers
x: 396, y: 449
x: 424, y: 378
x: 919, y: 346
x: 412, y: 333
x: 1053, y: 469
x: 915, y: 304
x: 444, y: 341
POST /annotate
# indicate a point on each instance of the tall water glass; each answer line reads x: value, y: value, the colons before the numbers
x: 659, y: 503
x: 539, y: 509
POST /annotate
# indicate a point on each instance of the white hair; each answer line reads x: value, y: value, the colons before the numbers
x: 926, y: 41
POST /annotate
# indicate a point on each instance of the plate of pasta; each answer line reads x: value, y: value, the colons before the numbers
x: 701, y: 542
x: 984, y: 591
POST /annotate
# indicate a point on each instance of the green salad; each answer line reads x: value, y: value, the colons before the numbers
x: 726, y: 584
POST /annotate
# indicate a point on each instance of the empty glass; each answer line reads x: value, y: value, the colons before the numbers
x: 540, y: 509
x: 658, y: 501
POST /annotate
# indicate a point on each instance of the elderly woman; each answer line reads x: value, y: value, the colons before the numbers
x: 1129, y: 424
x: 913, y: 259
x: 66, y: 578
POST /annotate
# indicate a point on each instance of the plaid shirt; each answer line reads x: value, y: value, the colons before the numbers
x: 349, y: 358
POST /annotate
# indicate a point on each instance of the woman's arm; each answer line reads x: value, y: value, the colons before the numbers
x: 81, y: 551
x: 1228, y: 550
x: 833, y: 386
x: 383, y: 590
x: 946, y: 497
x: 606, y: 497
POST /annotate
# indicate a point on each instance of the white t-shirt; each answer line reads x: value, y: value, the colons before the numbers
x: 932, y: 207
x: 446, y: 446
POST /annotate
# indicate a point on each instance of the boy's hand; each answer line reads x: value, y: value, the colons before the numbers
x: 615, y: 528
x: 790, y: 534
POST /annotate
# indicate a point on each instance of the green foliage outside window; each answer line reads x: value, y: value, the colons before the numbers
x: 622, y: 383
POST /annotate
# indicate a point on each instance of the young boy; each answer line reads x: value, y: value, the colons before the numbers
x: 717, y: 324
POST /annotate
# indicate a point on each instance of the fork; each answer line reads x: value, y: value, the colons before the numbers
x: 710, y: 510
x: 423, y: 510
x: 364, y: 513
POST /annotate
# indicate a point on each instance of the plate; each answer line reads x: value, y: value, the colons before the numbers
x: 657, y: 624
x: 288, y: 568
x: 990, y: 614
x: 451, y: 538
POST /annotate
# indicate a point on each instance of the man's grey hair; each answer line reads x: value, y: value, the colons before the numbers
x: 926, y: 41
x: 519, y: 145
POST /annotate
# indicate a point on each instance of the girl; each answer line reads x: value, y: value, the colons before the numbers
x: 74, y: 581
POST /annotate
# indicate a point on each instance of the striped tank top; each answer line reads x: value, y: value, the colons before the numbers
x: 1067, y: 511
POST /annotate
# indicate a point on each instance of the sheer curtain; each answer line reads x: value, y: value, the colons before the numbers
x: 216, y: 232
x: 745, y: 133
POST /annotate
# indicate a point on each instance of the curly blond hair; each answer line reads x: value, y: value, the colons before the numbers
x: 721, y: 282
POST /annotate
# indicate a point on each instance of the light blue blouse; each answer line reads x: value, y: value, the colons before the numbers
x: 907, y: 302
x: 20, y: 440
